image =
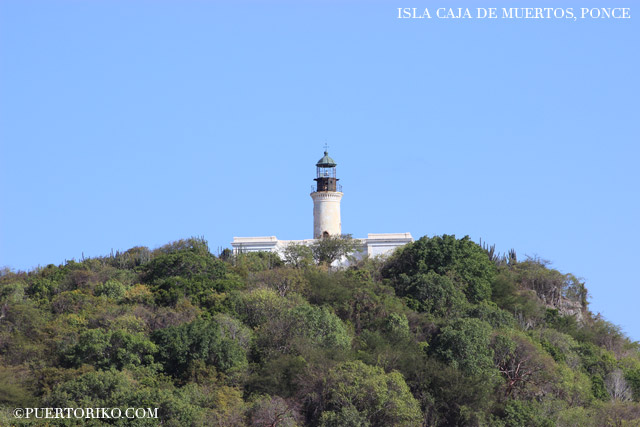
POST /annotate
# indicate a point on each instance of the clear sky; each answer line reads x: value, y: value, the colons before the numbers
x: 127, y: 123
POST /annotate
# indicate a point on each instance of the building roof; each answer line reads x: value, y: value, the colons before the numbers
x: 326, y: 161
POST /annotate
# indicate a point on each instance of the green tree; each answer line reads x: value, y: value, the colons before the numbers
x: 22, y: 333
x: 433, y: 293
x: 14, y: 390
x: 633, y: 378
x: 368, y: 396
x: 256, y: 261
x: 283, y: 280
x: 345, y: 416
x: 186, y: 259
x: 120, y: 389
x: 465, y: 344
x: 131, y: 258
x: 272, y: 411
x: 298, y: 255
x: 278, y: 375
x: 508, y: 294
x: 321, y: 326
x: 256, y: 307
x: 332, y: 248
x: 101, y: 388
x: 187, y: 269
x: 598, y: 362
x: 447, y: 395
x: 462, y: 260
x: 526, y: 368
x: 519, y: 413
x: 111, y: 289
x: 105, y: 349
x: 301, y: 329
x: 490, y: 313
x: 550, y: 285
x: 179, y: 347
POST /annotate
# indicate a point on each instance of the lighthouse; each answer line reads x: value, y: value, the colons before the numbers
x: 326, y: 195
x: 326, y: 199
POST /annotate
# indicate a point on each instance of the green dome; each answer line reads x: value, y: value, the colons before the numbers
x: 326, y: 161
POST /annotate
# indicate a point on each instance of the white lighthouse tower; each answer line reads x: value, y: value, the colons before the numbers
x: 326, y: 199
x: 326, y: 195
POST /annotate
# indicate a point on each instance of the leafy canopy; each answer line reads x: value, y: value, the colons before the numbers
x: 462, y: 260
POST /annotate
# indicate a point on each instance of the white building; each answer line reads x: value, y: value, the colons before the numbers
x: 326, y: 220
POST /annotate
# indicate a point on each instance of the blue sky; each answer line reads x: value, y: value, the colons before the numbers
x: 128, y: 123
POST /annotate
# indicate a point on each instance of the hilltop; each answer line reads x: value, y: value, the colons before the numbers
x: 444, y: 332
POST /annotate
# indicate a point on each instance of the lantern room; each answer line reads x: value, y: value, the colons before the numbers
x: 326, y: 174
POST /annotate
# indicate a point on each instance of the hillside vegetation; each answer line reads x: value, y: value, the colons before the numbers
x: 445, y: 332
